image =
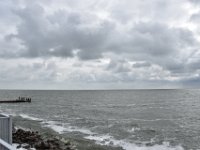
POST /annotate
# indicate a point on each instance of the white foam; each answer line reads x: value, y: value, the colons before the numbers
x: 61, y: 128
x: 132, y: 130
x: 20, y: 127
x: 25, y: 116
x: 101, y: 139
x: 109, y: 140
x: 57, y: 128
x: 81, y: 130
x: 15, y: 146
x: 8, y: 114
x: 54, y: 126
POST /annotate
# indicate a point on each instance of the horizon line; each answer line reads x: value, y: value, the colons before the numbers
x: 109, y: 89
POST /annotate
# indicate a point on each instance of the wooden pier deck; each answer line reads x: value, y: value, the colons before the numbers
x: 19, y: 100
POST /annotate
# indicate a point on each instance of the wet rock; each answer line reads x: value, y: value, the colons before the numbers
x: 26, y: 146
x: 67, y: 143
x: 19, y: 146
x: 35, y: 140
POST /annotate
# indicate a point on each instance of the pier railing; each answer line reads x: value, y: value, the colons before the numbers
x: 5, y: 146
x: 5, y: 132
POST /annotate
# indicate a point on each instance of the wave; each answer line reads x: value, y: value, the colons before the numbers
x: 108, y: 105
x: 50, y: 124
x: 133, y: 129
x: 57, y: 126
x: 101, y: 139
x: 62, y: 128
x: 54, y: 126
x: 9, y: 112
x: 25, y: 116
x: 110, y: 141
x: 81, y: 130
x: 119, y: 105
x: 143, y: 120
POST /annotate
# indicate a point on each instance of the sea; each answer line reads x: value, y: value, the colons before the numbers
x: 165, y: 119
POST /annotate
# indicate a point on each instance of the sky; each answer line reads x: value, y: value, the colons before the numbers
x: 99, y: 44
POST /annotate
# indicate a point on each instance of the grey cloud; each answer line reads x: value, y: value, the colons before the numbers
x: 195, y: 18
x: 192, y: 82
x: 60, y: 34
x: 147, y: 39
x: 159, y: 39
x: 33, y: 72
x: 158, y: 44
x: 195, y: 65
x: 133, y: 31
x: 141, y: 64
x: 163, y: 45
x: 119, y: 66
x: 160, y: 11
x: 194, y: 1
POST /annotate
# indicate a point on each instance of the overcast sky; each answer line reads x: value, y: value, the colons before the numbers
x: 99, y: 44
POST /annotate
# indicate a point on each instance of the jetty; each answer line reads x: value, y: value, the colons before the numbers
x: 19, y: 100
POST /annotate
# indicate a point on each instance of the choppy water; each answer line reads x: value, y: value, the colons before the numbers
x: 131, y: 119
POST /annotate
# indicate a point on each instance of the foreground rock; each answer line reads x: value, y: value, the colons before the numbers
x: 30, y: 139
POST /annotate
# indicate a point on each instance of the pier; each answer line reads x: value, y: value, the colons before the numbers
x: 19, y: 100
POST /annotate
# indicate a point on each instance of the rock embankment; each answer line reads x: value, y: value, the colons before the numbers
x: 31, y: 139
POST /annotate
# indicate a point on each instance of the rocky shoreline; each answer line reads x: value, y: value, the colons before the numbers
x: 33, y: 140
x: 69, y: 141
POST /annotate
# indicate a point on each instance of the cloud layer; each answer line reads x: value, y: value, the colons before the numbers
x: 99, y: 44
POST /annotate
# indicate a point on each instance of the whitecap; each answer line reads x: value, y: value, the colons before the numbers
x: 110, y: 141
x: 54, y: 126
x: 81, y: 130
x: 25, y: 116
x: 132, y: 130
x: 61, y: 128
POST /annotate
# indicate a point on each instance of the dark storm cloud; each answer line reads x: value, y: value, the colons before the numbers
x: 157, y: 44
x: 159, y: 40
x: 60, y: 34
x: 147, y: 40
